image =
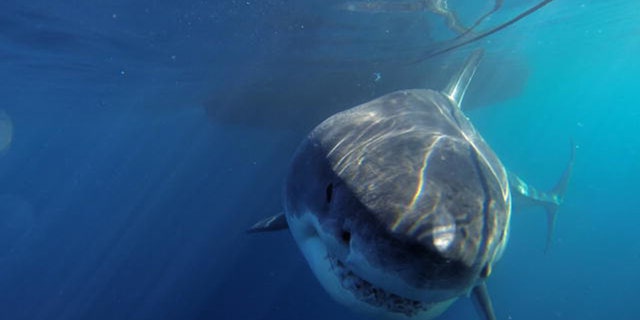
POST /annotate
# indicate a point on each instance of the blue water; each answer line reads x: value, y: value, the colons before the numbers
x: 146, y: 136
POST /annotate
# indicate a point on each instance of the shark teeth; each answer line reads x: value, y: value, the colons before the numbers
x: 374, y: 296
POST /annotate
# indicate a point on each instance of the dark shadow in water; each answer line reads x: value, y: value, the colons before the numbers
x: 325, y: 58
x: 274, y: 65
x: 298, y: 101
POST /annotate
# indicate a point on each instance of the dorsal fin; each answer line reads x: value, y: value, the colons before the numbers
x: 459, y: 83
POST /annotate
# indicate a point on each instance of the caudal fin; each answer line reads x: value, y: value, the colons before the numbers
x: 557, y: 193
x: 549, y: 200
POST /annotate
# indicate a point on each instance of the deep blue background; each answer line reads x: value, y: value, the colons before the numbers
x: 131, y: 177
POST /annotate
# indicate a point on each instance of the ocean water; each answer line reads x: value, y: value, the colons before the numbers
x: 139, y: 140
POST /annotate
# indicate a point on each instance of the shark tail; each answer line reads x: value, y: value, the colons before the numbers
x: 550, y: 200
x: 557, y: 193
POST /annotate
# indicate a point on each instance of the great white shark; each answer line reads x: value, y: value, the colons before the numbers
x: 399, y: 205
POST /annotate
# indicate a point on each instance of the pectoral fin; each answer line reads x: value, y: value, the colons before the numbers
x: 273, y: 223
x: 482, y: 302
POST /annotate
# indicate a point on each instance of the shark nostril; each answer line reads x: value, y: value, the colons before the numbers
x: 463, y: 232
x: 346, y: 236
x: 329, y: 193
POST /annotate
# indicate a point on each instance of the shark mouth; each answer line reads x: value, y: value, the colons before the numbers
x: 372, y: 295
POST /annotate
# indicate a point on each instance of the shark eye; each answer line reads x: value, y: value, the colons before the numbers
x: 346, y: 236
x: 329, y: 193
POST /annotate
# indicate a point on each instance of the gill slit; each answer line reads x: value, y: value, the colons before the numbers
x: 485, y: 203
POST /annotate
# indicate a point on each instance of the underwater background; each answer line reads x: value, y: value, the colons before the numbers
x: 140, y: 139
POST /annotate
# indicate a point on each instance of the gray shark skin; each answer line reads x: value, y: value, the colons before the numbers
x: 399, y: 205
